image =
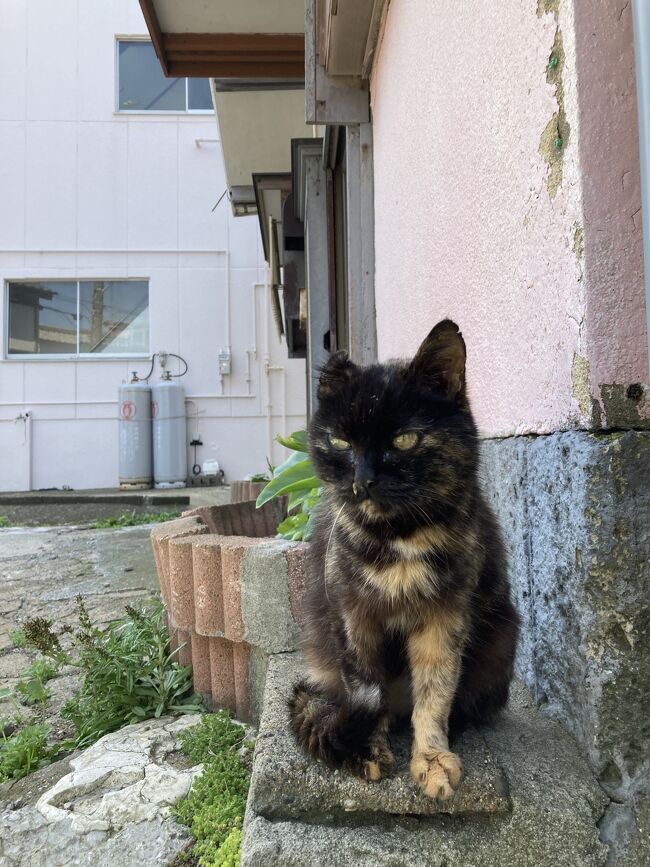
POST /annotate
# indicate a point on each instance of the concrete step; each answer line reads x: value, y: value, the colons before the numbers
x: 527, y: 798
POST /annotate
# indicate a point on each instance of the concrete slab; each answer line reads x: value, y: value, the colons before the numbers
x: 287, y: 784
x: 555, y: 804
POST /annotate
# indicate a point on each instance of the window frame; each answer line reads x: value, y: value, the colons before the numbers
x: 145, y: 112
x: 64, y: 356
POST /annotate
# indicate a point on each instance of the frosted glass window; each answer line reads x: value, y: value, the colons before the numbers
x: 114, y: 316
x: 42, y: 318
x: 142, y: 85
x: 77, y: 318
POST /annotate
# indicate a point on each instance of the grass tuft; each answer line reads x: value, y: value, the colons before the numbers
x: 23, y: 752
x: 133, y: 519
x: 17, y: 638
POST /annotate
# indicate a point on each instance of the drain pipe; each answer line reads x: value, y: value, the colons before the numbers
x: 268, y: 370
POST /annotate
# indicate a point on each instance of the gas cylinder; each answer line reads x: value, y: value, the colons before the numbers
x: 134, y: 423
x: 169, y: 434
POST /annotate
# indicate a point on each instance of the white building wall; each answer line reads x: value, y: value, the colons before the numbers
x: 86, y: 192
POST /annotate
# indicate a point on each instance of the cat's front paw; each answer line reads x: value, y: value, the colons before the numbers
x: 437, y: 773
x: 377, y: 767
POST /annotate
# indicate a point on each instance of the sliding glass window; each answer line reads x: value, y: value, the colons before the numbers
x: 77, y: 319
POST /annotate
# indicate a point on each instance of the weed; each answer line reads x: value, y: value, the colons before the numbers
x: 214, y: 808
x: 17, y: 638
x: 133, y: 519
x: 129, y: 673
x: 4, y: 521
x: 31, y: 686
x: 23, y: 752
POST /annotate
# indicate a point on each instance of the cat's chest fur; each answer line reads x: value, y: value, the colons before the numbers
x: 408, y: 571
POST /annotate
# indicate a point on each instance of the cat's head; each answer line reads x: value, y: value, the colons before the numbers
x: 396, y: 442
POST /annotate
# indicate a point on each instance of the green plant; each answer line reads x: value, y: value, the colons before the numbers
x: 128, y: 672
x: 297, y: 479
x: 214, y: 807
x: 23, y: 752
x: 4, y: 521
x: 133, y: 519
x: 17, y: 637
x: 31, y: 686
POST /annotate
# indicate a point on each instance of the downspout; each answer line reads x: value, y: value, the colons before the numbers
x: 268, y: 370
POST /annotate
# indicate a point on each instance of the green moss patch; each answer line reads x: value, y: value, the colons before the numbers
x: 214, y: 808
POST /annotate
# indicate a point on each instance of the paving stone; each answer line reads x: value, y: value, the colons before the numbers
x: 543, y: 803
x: 288, y: 784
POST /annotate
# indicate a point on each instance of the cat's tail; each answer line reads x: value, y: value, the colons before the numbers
x: 334, y: 732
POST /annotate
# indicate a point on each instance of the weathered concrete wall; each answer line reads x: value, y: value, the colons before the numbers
x: 507, y: 197
x: 574, y: 509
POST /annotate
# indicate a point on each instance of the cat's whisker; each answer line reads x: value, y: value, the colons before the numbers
x: 329, y: 542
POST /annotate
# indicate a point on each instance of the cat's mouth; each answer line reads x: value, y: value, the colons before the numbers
x: 372, y: 508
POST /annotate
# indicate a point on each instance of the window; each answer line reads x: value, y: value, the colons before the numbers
x: 143, y: 87
x: 78, y: 318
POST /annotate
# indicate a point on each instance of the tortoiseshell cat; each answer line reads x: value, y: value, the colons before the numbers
x: 408, y: 606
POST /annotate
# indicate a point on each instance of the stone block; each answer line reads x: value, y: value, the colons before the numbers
x: 160, y: 536
x: 181, y: 582
x: 201, y: 669
x: 267, y: 619
x: 528, y: 798
x: 241, y: 665
x: 184, y: 639
x: 296, y: 575
x: 288, y: 784
x: 575, y: 511
x: 232, y: 552
x: 208, y: 585
x: 243, y: 519
x: 222, y: 674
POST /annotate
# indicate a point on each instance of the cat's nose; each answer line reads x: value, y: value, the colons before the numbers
x: 361, y: 487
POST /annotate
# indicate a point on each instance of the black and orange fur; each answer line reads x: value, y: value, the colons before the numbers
x: 408, y: 606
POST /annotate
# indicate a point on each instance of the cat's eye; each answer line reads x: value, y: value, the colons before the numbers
x: 339, y: 444
x: 406, y: 440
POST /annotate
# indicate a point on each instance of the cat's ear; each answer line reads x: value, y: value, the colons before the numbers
x: 336, y: 373
x: 441, y: 358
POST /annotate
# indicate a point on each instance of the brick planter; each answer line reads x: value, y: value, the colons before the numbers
x: 245, y: 490
x: 231, y: 601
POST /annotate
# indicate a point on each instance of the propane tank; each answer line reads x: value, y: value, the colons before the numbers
x: 134, y: 422
x: 169, y: 434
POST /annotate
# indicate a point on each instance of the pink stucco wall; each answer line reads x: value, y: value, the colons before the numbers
x: 472, y: 224
x: 609, y: 155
